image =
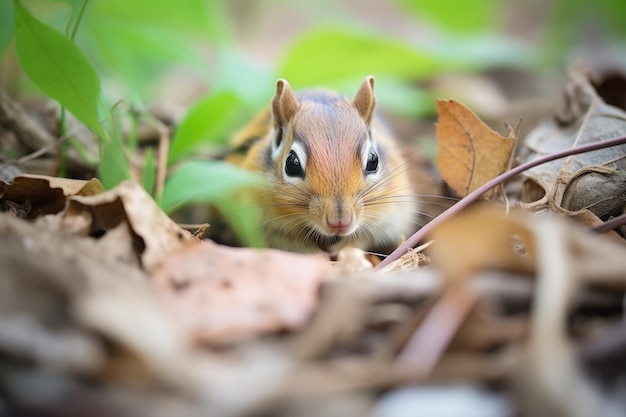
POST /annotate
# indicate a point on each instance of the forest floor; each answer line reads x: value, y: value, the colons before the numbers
x: 513, y: 306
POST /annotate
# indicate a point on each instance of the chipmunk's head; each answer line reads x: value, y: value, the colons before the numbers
x: 331, y: 174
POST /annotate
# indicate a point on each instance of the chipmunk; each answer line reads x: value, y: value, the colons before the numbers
x: 335, y: 175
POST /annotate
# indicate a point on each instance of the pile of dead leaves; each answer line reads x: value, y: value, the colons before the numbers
x: 110, y: 308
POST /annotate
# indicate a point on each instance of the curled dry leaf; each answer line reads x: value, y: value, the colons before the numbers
x: 87, y: 209
x: 469, y: 152
x: 595, y: 180
x: 30, y: 196
x: 223, y: 294
x: 159, y: 235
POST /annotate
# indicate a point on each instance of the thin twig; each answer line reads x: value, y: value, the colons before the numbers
x: 610, y: 224
x: 424, y: 350
x: 474, y: 195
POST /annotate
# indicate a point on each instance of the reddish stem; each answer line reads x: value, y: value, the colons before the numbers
x: 422, y: 352
x: 610, y: 224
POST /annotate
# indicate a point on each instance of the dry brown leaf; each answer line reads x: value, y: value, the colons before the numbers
x: 223, y: 294
x: 592, y: 181
x: 159, y: 235
x: 598, y: 260
x: 469, y: 152
x: 38, y: 195
x: 91, y: 210
x: 480, y: 239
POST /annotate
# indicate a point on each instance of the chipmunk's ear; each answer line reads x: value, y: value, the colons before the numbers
x: 365, y: 100
x: 284, y: 107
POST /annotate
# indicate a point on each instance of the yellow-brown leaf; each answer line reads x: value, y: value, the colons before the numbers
x: 470, y: 153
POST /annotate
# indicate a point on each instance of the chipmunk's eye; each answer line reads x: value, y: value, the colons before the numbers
x: 372, y: 163
x: 293, y: 167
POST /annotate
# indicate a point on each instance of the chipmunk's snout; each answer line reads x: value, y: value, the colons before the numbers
x: 340, y: 225
x: 339, y: 219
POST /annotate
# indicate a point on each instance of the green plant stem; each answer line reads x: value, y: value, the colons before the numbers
x: 81, y: 11
x: 61, y: 128
x: 61, y: 123
x: 62, y: 168
x: 474, y: 195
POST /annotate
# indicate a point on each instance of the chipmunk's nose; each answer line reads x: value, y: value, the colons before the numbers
x: 340, y: 223
x: 339, y: 217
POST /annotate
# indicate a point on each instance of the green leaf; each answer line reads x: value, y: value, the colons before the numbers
x: 58, y: 67
x: 210, y: 121
x: 113, y: 163
x: 457, y: 16
x: 204, y: 182
x: 244, y: 218
x: 189, y: 17
x: 324, y: 56
x: 6, y: 25
x: 149, y: 173
x: 74, y: 4
x: 87, y: 155
x: 487, y: 50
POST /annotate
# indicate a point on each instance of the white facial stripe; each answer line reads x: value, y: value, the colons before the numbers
x: 365, y: 152
x: 369, y: 147
x: 276, y: 149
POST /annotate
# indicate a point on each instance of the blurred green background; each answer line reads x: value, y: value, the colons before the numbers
x: 140, y: 47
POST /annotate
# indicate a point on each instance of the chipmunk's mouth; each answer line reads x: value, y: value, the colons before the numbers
x: 326, y: 243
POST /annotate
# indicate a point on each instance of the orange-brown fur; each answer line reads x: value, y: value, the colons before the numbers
x: 307, y: 215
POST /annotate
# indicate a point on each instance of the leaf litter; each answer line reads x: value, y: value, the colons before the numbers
x: 593, y: 182
x: 109, y: 307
